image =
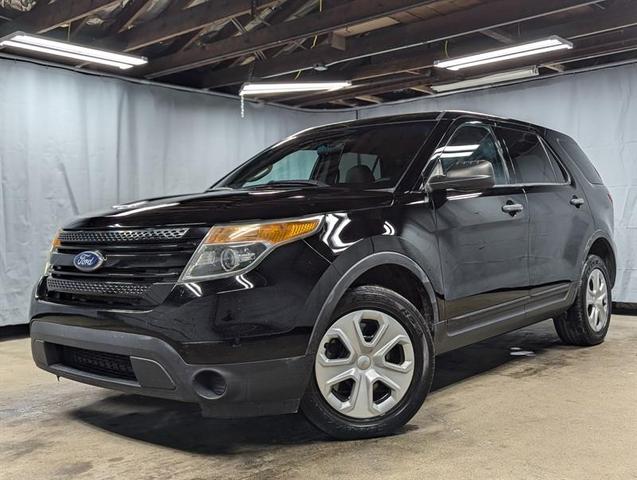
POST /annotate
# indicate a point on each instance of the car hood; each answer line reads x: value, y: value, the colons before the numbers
x: 219, y: 206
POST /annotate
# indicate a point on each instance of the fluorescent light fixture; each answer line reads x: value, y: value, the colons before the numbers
x: 290, y: 87
x: 58, y: 48
x: 488, y: 80
x: 508, y: 53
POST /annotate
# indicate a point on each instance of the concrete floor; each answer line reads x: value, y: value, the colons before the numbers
x: 521, y: 406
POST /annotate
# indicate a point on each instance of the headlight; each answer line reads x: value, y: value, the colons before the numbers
x: 229, y: 250
x: 55, y: 243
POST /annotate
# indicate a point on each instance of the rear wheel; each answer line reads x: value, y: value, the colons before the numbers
x: 373, y: 367
x: 586, y: 322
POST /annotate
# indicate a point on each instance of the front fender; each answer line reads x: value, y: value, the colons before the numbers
x: 348, y: 267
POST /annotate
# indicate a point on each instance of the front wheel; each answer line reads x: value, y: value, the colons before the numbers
x: 586, y: 322
x: 373, y: 367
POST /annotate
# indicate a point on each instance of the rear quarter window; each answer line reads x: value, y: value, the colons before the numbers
x: 577, y: 155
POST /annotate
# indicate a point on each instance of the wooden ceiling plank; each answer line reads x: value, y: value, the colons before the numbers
x: 54, y: 15
x: 556, y: 67
x: 187, y: 40
x: 355, y: 11
x: 277, y: 15
x: 354, y: 92
x: 416, y: 58
x: 127, y: 16
x: 423, y: 89
x: 176, y: 6
x: 370, y: 99
x: 191, y: 19
x: 490, y: 14
x: 501, y: 37
x: 612, y: 43
x: 285, y: 11
x: 345, y: 103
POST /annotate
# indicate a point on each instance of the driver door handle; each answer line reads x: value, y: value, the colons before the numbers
x: 512, y: 208
x: 577, y: 202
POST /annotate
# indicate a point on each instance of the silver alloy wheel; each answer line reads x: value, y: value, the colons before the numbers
x: 365, y: 364
x: 597, y: 300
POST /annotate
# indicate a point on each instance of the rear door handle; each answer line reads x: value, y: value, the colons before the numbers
x: 577, y: 202
x: 512, y: 208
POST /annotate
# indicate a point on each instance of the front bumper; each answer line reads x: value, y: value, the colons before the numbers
x: 265, y: 387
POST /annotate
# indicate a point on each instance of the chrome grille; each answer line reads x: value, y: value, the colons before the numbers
x: 109, y: 236
x: 129, y: 290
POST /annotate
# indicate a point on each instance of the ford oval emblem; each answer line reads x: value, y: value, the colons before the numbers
x: 88, y: 261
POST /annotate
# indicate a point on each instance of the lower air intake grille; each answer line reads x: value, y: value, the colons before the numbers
x: 99, y: 363
x: 129, y: 290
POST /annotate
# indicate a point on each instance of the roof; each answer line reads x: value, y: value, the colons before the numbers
x: 420, y: 117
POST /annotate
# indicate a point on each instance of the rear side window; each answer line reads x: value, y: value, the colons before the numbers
x: 531, y: 160
x: 579, y: 157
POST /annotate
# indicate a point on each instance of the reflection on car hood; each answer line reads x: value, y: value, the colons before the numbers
x: 218, y: 206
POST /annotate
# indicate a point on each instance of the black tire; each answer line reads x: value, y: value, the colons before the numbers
x: 573, y: 326
x: 322, y: 415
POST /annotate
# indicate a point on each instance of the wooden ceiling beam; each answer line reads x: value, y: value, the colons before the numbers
x: 419, y: 58
x: 369, y: 99
x: 285, y: 11
x: 403, y: 83
x: 610, y: 43
x: 349, y: 13
x: 345, y: 103
x: 556, y: 67
x: 488, y: 15
x: 54, y: 15
x: 127, y: 16
x: 191, y: 19
x: 423, y: 89
x: 498, y: 35
x: 276, y: 15
x: 176, y: 6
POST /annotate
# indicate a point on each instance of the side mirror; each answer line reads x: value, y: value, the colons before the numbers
x: 474, y: 177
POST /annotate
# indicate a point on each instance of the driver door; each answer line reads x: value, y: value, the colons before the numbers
x: 482, y: 236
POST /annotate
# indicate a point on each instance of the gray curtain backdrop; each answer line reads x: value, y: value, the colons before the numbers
x: 599, y: 110
x: 72, y: 143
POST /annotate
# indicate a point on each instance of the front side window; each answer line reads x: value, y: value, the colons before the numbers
x: 531, y: 161
x: 363, y: 157
x: 468, y: 145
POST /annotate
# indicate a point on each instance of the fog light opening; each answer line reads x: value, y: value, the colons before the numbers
x: 209, y: 384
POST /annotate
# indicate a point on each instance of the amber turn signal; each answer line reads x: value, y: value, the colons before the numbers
x: 269, y: 233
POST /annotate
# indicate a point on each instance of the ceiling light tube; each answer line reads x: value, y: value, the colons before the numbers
x: 48, y: 46
x: 499, y: 55
x: 488, y: 80
x: 290, y: 87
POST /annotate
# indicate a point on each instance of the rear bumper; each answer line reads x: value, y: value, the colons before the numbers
x: 266, y: 387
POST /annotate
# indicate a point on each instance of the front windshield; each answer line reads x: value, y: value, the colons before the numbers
x: 365, y: 157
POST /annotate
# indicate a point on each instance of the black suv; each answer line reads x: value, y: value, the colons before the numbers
x: 327, y: 272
